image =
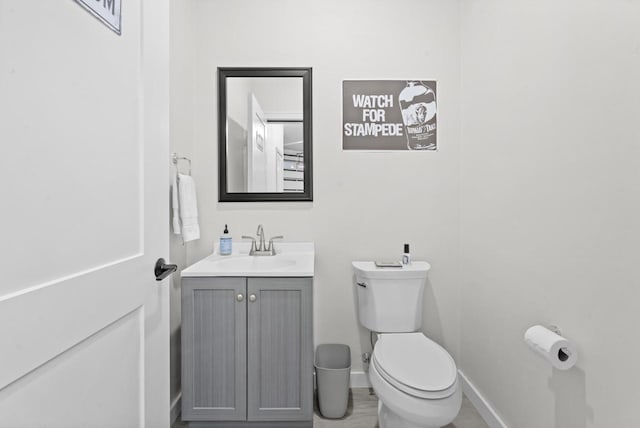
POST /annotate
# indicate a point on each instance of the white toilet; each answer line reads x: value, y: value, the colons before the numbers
x: 415, y: 379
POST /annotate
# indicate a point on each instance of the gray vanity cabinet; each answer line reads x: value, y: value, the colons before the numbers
x: 247, y: 351
x: 280, y: 349
x: 214, y: 349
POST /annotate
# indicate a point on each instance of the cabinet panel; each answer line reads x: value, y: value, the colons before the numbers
x: 214, y: 349
x: 280, y: 349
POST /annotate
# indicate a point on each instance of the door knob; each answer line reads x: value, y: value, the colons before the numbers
x: 239, y: 297
x: 252, y: 298
x: 163, y: 270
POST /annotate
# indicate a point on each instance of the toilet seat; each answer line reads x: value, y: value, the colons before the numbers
x: 416, y: 365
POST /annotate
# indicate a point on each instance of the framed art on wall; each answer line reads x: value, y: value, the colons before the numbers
x: 389, y: 115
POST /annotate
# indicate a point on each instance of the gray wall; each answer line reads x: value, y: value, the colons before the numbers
x: 366, y: 205
x: 550, y: 206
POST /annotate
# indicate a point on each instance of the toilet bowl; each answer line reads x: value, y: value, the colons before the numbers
x: 416, y: 382
x: 416, y: 379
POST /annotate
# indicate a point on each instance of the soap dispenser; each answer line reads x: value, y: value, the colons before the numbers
x: 225, y: 242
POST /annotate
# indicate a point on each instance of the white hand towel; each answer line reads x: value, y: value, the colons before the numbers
x: 188, y: 208
x: 175, y: 206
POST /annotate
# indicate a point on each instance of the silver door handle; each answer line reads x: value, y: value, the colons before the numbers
x: 240, y: 297
x: 252, y: 298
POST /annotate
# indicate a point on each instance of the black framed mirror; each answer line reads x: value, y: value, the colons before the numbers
x: 264, y: 134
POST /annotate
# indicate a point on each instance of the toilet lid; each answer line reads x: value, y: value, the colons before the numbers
x: 416, y: 364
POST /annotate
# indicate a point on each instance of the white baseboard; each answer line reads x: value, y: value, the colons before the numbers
x: 483, y: 407
x: 175, y: 408
x: 360, y: 380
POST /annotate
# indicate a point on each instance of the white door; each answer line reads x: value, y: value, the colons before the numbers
x: 279, y: 172
x: 273, y: 158
x: 84, y: 331
x: 257, y: 169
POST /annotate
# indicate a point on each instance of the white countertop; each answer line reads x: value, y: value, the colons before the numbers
x: 292, y: 259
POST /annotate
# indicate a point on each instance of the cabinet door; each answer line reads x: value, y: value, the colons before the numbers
x: 280, y: 349
x: 214, y: 326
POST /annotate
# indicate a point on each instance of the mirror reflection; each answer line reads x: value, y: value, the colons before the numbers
x: 264, y: 134
x: 265, y: 143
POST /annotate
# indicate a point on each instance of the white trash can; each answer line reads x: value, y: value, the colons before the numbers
x: 333, y: 371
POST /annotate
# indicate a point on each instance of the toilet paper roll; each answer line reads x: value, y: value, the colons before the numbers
x: 561, y: 353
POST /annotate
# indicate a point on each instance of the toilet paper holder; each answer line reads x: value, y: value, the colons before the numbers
x: 563, y: 353
x: 555, y: 329
x: 547, y: 341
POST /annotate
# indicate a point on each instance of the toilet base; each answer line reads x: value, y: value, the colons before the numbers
x: 388, y: 419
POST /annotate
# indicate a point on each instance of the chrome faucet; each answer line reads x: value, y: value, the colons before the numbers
x: 260, y: 234
x: 260, y: 248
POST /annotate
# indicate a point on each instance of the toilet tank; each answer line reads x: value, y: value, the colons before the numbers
x: 390, y: 299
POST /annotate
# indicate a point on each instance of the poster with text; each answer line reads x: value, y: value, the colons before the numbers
x: 389, y: 115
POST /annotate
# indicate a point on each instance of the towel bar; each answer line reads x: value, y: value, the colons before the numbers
x: 175, y: 159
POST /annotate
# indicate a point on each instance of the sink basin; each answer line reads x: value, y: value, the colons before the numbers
x: 294, y: 259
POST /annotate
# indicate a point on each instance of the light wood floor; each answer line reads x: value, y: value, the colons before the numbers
x: 362, y: 413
